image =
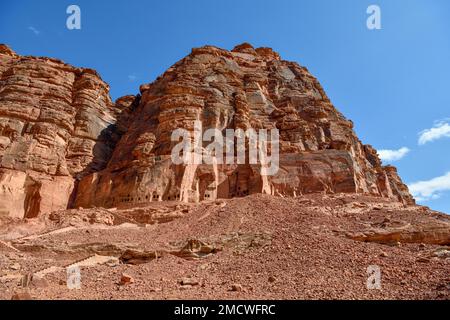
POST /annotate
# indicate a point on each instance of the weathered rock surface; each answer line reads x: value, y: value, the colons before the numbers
x: 239, y: 89
x: 330, y: 212
x: 57, y: 122
x: 64, y: 143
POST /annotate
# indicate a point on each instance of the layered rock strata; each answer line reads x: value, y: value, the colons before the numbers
x: 245, y: 88
x: 64, y: 143
x: 57, y: 124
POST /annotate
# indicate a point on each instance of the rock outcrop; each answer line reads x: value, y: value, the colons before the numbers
x: 57, y: 123
x: 239, y: 89
x: 63, y: 142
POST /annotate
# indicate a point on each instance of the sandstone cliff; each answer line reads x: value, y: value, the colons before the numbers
x: 243, y: 88
x: 63, y: 142
x: 56, y: 123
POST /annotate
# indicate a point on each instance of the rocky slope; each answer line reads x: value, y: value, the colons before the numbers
x: 142, y: 227
x: 258, y: 247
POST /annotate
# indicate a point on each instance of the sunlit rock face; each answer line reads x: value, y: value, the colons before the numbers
x: 244, y: 88
x: 64, y: 143
x: 57, y: 123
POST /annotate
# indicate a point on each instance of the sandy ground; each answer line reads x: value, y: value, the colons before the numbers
x: 258, y: 247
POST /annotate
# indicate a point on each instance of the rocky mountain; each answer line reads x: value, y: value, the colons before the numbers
x: 64, y: 143
x: 107, y: 201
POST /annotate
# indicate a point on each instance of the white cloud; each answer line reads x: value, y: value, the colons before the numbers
x: 34, y: 30
x: 440, y: 130
x: 393, y: 155
x: 430, y: 189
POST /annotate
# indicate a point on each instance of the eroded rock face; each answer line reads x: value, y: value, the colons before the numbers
x: 57, y: 123
x: 64, y: 143
x: 243, y: 88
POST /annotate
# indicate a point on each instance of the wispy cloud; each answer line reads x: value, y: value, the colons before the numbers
x: 34, y: 30
x: 441, y: 129
x: 430, y: 189
x: 393, y: 155
x: 132, y: 77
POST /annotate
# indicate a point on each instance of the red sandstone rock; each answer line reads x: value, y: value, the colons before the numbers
x: 63, y: 142
x: 55, y: 123
x: 243, y: 88
x: 126, y: 279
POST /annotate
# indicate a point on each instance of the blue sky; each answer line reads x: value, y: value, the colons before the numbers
x: 393, y: 83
